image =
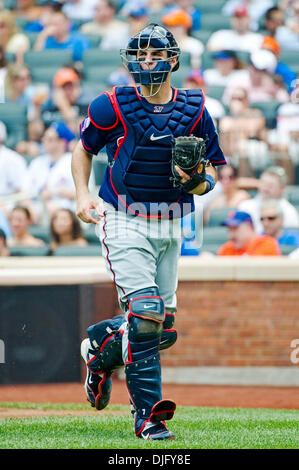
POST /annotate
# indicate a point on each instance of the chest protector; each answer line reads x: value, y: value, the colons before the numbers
x: 141, y: 172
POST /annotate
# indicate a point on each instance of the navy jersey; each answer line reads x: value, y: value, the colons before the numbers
x: 137, y: 136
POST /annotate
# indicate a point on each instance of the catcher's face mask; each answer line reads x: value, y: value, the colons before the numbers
x: 156, y: 39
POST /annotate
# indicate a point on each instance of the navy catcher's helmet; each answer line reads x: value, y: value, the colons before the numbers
x: 153, y: 36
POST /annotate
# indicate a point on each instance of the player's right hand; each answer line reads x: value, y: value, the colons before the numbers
x: 87, y: 205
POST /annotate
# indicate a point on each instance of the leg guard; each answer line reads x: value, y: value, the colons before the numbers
x: 106, y: 339
x: 102, y: 354
x: 142, y: 368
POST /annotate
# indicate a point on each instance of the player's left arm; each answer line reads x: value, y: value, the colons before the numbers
x: 214, y: 155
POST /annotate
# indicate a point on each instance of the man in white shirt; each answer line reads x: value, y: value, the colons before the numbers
x: 239, y: 38
x: 49, y: 176
x: 12, y: 168
x: 272, y: 184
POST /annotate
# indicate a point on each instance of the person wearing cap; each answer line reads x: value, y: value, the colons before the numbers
x: 243, y: 240
x: 179, y: 22
x: 68, y: 99
x: 58, y: 35
x: 49, y: 177
x: 239, y: 37
x: 227, y: 66
x: 288, y: 75
x: 195, y: 13
x: 261, y: 82
x: 256, y: 9
x: 12, y: 168
x: 271, y: 185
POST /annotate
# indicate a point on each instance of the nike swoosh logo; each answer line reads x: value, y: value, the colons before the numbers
x: 147, y: 306
x: 158, y: 137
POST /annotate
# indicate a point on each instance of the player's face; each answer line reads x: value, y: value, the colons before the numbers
x: 148, y: 58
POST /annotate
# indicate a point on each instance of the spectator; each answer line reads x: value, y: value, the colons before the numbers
x: 227, y: 66
x: 68, y: 100
x: 20, y: 221
x: 195, y: 80
x: 49, y: 7
x: 230, y: 196
x: 260, y: 82
x: 242, y: 128
x: 4, y: 223
x: 32, y: 147
x: 283, y: 141
x: 179, y: 23
x: 193, y: 11
x: 274, y: 19
x: 271, y: 185
x: 57, y: 35
x: 243, y: 240
x: 50, y: 179
x: 272, y: 221
x: 27, y: 10
x: 3, y: 72
x: 288, y: 35
x: 104, y: 20
x: 238, y: 38
x: 65, y: 229
x: 4, y: 251
x: 12, y: 168
x: 17, y: 83
x: 119, y: 77
x: 288, y: 75
x: 137, y: 18
x: 256, y: 10
x: 79, y: 9
x: 12, y: 40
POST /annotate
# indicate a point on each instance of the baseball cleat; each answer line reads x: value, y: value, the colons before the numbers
x: 97, y: 386
x: 156, y: 432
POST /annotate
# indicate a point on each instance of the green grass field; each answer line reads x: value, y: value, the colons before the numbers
x: 195, y: 428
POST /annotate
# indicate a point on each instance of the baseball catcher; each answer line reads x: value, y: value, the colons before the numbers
x: 159, y: 140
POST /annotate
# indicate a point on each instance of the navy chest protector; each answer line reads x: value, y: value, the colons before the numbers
x: 141, y: 171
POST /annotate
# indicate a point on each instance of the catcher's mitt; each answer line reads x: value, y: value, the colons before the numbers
x: 188, y: 154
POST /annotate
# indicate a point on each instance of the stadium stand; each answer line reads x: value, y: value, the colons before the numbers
x: 96, y: 67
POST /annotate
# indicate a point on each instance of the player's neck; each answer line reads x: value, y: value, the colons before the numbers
x: 163, y: 96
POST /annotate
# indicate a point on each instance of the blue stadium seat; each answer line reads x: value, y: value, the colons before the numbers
x: 29, y: 250
x: 217, y: 216
x: 89, y: 250
x: 14, y: 117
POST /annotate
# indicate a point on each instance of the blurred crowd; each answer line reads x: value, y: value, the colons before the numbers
x: 56, y: 56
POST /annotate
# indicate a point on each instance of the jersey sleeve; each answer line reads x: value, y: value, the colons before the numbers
x: 206, y: 129
x: 94, y: 129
